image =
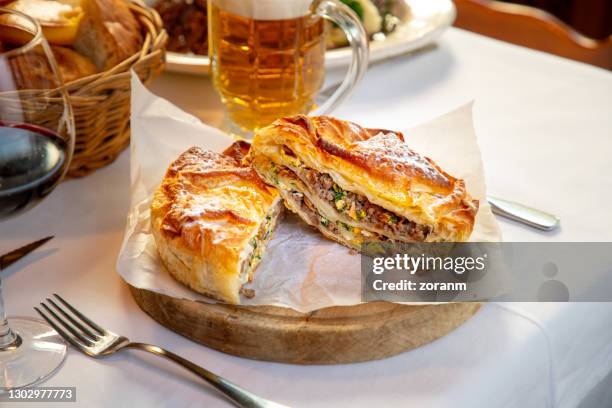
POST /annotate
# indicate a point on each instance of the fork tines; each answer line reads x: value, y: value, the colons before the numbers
x: 96, y: 342
x: 72, y: 325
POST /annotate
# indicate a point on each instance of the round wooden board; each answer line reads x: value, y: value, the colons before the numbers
x: 333, y: 335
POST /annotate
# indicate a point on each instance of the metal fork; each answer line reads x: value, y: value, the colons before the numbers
x: 97, y: 342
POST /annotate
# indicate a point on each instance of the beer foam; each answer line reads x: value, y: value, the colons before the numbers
x: 266, y: 9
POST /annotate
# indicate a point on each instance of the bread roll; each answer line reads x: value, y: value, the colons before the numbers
x: 59, y: 20
x: 108, y: 33
x: 72, y: 65
x: 32, y: 71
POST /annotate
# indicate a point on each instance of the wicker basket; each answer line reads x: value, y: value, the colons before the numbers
x: 101, y: 102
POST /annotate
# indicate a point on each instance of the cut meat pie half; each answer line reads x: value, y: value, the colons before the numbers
x: 212, y: 218
x: 357, y: 185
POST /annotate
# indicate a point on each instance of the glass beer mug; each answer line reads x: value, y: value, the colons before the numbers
x: 267, y: 57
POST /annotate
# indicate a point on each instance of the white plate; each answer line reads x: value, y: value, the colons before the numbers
x: 426, y: 21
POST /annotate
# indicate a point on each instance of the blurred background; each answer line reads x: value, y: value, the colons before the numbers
x: 592, y: 18
x: 577, y: 29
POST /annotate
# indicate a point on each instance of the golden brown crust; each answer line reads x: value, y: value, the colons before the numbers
x: 204, y: 216
x: 72, y: 65
x: 108, y: 33
x: 374, y: 163
x: 32, y: 70
x: 238, y: 150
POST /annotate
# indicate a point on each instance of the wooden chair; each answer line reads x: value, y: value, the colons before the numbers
x: 532, y: 28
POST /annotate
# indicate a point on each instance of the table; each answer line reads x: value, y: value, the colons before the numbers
x: 544, y: 125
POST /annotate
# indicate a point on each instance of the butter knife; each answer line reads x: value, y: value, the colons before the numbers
x: 523, y: 214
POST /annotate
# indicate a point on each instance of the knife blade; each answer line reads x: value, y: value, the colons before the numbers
x: 11, y: 257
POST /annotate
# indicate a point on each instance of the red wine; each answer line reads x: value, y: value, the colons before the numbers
x: 32, y: 161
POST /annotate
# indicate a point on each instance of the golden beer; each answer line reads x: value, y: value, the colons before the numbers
x: 267, y: 58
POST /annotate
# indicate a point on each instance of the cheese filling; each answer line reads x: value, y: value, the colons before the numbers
x: 259, y: 242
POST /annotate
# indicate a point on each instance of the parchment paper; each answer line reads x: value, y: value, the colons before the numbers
x: 300, y: 268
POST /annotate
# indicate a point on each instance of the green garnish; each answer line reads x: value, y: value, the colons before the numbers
x: 392, y: 219
x: 339, y: 195
x: 275, y: 169
x: 254, y: 243
x: 324, y: 221
x: 356, y: 6
x: 345, y: 226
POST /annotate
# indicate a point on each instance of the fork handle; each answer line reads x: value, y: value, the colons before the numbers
x: 238, y: 395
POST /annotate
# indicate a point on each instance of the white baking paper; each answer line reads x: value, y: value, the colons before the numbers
x: 300, y: 268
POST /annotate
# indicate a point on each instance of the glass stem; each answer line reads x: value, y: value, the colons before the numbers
x: 7, y: 337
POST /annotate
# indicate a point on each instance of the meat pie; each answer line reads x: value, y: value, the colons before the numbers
x: 212, y: 218
x: 357, y: 185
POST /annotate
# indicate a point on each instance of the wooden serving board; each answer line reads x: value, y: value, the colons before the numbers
x: 333, y: 335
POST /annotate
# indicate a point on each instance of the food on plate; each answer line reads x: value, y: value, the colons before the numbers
x: 59, y: 20
x: 379, y: 18
x: 86, y: 36
x: 186, y: 23
x: 212, y: 218
x: 357, y: 185
x: 369, y: 15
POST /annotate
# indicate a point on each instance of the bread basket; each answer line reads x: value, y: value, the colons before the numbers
x: 101, y: 102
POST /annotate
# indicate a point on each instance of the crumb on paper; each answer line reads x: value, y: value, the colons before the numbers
x: 247, y: 293
x: 353, y: 251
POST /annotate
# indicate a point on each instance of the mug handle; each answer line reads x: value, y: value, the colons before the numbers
x: 349, y: 22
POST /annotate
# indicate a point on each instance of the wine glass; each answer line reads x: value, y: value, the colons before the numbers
x: 36, y: 145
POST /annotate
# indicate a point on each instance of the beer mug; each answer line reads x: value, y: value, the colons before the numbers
x: 267, y: 57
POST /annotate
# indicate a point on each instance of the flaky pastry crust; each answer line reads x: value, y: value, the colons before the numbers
x: 374, y: 163
x: 207, y: 218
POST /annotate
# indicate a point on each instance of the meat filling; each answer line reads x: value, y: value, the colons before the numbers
x: 358, y: 208
x: 314, y: 218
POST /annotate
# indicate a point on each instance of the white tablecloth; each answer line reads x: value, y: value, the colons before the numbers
x: 545, y: 128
